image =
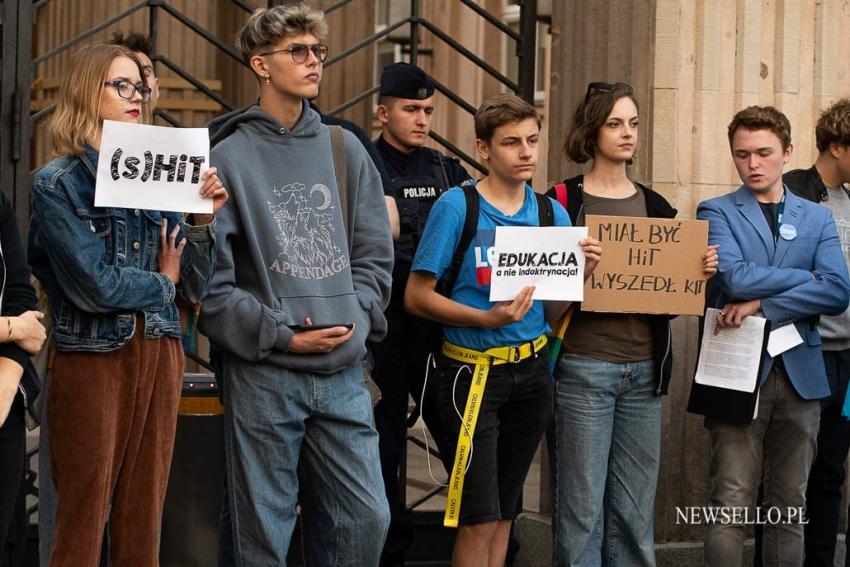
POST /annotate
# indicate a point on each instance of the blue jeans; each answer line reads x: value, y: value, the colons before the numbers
x: 285, y: 430
x: 608, y: 445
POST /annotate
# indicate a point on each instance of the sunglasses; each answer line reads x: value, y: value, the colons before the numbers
x: 299, y: 52
x: 606, y: 88
x: 128, y: 90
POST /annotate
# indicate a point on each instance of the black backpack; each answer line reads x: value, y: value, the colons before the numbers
x: 546, y: 217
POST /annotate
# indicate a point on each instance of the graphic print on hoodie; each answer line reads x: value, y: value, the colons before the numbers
x: 305, y: 224
x: 283, y: 250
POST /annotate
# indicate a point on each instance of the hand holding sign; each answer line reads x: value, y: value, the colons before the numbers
x: 211, y: 188
x: 507, y: 312
x: 710, y: 261
x: 592, y: 250
x: 152, y: 167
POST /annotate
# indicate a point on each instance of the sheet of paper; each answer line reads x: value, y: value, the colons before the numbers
x: 782, y: 339
x: 731, y: 358
x: 152, y: 167
x: 549, y: 258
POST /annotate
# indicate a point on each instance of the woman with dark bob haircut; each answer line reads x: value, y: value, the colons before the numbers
x: 613, y: 367
x: 112, y: 276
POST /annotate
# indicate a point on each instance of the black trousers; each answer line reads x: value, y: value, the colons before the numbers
x: 400, y: 361
x: 823, y: 495
x: 13, y: 516
x: 823, y: 492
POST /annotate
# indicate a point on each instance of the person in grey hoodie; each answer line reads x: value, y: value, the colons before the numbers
x: 298, y: 419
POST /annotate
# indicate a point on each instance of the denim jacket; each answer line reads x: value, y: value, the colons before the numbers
x: 99, y: 265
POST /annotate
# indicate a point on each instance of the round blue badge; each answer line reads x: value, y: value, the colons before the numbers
x: 788, y: 231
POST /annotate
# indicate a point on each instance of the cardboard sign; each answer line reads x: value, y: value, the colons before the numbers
x: 549, y: 258
x: 648, y: 265
x: 152, y: 167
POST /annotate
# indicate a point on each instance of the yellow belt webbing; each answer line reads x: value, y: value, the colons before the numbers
x: 482, y: 362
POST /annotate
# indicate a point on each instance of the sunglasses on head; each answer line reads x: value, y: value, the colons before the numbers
x: 606, y: 88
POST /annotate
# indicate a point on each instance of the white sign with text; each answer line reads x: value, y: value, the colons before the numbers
x: 549, y: 258
x: 152, y: 167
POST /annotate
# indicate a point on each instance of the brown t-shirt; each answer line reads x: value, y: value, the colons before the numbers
x: 613, y: 337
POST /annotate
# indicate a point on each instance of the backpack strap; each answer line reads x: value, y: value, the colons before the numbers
x: 545, y: 213
x: 340, y: 157
x: 545, y: 217
x: 470, y: 225
x: 561, y: 194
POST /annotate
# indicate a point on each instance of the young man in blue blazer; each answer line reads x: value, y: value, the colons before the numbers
x: 780, y: 257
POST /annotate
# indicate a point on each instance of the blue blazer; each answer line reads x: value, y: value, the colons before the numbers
x: 797, y: 280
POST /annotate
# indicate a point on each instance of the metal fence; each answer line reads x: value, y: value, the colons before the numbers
x: 21, y: 115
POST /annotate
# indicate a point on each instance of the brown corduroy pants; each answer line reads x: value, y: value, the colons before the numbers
x: 112, y: 423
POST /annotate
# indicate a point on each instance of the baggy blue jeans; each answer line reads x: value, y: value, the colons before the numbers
x: 608, y: 446
x: 295, y: 437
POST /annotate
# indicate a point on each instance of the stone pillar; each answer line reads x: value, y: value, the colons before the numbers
x: 693, y: 64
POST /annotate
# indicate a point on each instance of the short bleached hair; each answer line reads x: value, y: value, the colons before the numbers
x: 267, y: 26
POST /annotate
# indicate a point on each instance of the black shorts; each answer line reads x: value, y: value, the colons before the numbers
x: 517, y: 408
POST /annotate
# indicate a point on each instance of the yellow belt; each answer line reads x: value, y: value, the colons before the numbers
x: 482, y: 362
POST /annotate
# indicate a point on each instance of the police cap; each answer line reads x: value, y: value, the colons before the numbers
x: 403, y: 80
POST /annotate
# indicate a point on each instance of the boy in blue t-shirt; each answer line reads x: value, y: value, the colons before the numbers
x: 493, y: 377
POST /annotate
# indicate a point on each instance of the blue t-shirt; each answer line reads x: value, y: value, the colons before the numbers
x: 441, y: 236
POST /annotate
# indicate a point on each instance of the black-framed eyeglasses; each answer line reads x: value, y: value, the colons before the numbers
x: 128, y: 90
x: 298, y: 52
x: 605, y: 88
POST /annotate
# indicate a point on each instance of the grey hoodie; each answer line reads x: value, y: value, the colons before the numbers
x: 282, y: 249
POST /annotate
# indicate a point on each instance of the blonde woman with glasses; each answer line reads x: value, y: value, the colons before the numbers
x: 112, y: 276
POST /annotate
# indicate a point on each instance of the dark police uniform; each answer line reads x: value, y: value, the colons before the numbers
x: 417, y: 180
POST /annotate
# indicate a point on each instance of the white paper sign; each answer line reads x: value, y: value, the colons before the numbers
x: 152, y: 167
x: 782, y: 339
x: 731, y: 358
x: 549, y: 258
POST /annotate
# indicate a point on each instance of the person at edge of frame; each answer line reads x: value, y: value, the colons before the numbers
x: 781, y: 258
x: 517, y: 401
x: 419, y: 176
x: 298, y: 414
x: 613, y: 367
x: 825, y: 182
x: 22, y: 335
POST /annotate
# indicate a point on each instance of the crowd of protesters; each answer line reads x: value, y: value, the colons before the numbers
x: 328, y: 256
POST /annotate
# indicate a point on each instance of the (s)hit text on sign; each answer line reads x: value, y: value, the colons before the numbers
x: 152, y: 167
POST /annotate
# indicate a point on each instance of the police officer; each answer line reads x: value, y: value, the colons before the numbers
x: 419, y: 176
